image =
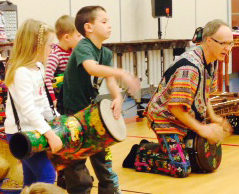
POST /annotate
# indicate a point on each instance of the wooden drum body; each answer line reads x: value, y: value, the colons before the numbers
x: 204, y: 157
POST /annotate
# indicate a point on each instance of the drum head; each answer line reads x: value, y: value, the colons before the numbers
x: 117, y: 128
x: 209, y: 155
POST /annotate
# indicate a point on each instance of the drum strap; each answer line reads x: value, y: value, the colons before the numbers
x: 49, y: 96
x: 17, y: 121
x: 50, y: 101
x: 97, y: 85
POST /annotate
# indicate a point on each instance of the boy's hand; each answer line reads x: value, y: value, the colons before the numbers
x: 54, y: 141
x: 116, y: 105
x: 132, y: 82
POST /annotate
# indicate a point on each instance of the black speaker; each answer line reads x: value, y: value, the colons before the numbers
x: 161, y: 8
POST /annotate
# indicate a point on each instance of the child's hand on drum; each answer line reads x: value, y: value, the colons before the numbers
x: 54, y: 141
x: 116, y: 105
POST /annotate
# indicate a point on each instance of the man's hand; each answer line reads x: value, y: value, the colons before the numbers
x: 227, y: 126
x: 212, y: 132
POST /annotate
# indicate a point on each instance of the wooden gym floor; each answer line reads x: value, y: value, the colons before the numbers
x: 223, y: 181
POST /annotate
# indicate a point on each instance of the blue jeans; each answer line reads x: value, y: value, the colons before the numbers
x: 37, y: 168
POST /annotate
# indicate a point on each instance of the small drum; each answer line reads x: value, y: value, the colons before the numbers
x: 12, y: 182
x: 204, y: 157
x: 87, y: 132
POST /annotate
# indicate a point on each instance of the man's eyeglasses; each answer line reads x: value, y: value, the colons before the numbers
x: 224, y: 44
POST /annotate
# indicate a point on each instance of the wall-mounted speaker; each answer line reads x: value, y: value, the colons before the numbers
x: 161, y: 8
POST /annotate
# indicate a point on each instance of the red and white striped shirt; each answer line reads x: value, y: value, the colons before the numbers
x: 56, y: 64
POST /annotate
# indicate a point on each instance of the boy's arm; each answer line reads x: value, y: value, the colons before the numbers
x: 113, y: 87
x: 94, y: 69
x: 115, y: 94
x: 104, y: 71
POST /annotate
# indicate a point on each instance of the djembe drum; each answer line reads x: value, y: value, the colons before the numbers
x: 89, y: 131
x: 206, y: 157
x: 101, y: 131
x: 203, y: 156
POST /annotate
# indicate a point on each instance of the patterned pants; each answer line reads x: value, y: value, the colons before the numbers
x: 168, y: 157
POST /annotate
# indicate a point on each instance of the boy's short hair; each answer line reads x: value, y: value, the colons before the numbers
x: 64, y: 25
x: 86, y: 15
x: 212, y: 27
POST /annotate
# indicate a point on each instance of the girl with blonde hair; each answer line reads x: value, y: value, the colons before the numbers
x: 25, y: 80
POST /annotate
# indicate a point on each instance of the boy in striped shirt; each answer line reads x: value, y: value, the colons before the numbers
x: 56, y: 64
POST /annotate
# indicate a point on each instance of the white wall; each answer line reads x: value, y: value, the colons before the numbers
x: 45, y: 10
x: 112, y: 8
x: 182, y: 24
x: 137, y: 20
x: 132, y: 19
x: 216, y: 9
